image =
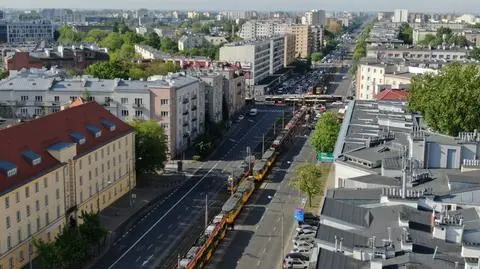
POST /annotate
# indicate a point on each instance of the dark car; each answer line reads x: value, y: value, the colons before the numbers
x: 299, y: 256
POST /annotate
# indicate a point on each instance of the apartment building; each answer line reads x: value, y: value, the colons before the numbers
x: 150, y: 53
x: 30, y: 31
x: 178, y: 105
x: 316, y: 33
x: 234, y: 90
x: 257, y: 29
x: 303, y: 40
x: 315, y: 17
x: 213, y: 85
x: 400, y: 15
x: 289, y: 49
x: 260, y: 58
x: 444, y: 54
x: 54, y: 167
x: 188, y: 42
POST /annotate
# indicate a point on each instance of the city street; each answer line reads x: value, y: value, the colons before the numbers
x: 257, y: 240
x: 148, y: 242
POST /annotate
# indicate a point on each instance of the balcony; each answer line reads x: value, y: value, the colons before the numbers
x: 185, y: 112
x: 137, y: 105
x: 185, y: 101
x: 185, y: 124
x: 194, y: 97
x: 194, y: 108
x: 194, y: 119
x: 39, y: 103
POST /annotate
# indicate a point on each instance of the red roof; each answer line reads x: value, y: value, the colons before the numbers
x: 39, y: 134
x: 392, y: 95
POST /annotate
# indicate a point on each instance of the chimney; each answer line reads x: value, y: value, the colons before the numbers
x: 336, y: 243
x: 341, y: 240
x: 389, y: 234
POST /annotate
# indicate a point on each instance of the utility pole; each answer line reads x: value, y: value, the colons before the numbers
x: 178, y: 261
x: 206, y: 210
x: 283, y: 118
x: 283, y: 243
x: 263, y: 143
x: 274, y: 123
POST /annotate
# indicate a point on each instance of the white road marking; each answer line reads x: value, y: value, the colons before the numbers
x: 162, y: 217
x: 258, y: 263
x: 149, y: 247
x: 147, y: 260
x: 139, y: 257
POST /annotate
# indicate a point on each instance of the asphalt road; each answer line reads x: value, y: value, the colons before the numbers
x: 147, y: 243
x: 256, y: 241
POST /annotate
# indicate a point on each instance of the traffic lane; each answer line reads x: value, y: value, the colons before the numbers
x: 191, y: 208
x: 149, y: 219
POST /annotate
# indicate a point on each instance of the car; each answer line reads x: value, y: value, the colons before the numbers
x: 306, y: 251
x: 241, y: 117
x: 295, y: 264
x: 303, y: 237
x: 305, y: 227
x: 297, y: 256
x: 303, y: 244
x: 306, y: 232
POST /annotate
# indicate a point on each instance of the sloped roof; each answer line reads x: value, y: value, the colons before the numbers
x: 392, y: 95
x: 347, y: 212
x: 39, y: 134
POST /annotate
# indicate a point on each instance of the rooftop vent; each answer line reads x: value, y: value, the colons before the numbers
x: 110, y: 126
x: 96, y: 132
x: 8, y: 168
x: 79, y: 138
x: 32, y: 157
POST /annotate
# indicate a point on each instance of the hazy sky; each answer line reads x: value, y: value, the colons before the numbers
x: 472, y: 6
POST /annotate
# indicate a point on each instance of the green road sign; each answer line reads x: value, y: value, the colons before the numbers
x: 325, y: 157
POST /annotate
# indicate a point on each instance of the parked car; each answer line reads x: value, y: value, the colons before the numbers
x: 297, y: 256
x: 295, y: 264
x: 306, y: 251
x: 303, y: 244
x: 305, y: 227
x: 303, y: 237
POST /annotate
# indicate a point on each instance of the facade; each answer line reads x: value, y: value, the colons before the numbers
x: 213, y: 85
x: 216, y: 40
x: 303, y: 40
x: 82, y: 160
x: 188, y: 42
x: 234, y: 90
x: 165, y: 32
x: 385, y: 52
x: 419, y: 34
x: 316, y: 33
x: 315, y: 17
x: 32, y: 31
x: 259, y: 58
x: 258, y: 29
x: 64, y: 57
x: 289, y: 50
x: 149, y: 53
x: 400, y: 15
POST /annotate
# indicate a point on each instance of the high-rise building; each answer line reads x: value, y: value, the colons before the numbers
x: 30, y: 31
x: 302, y: 40
x: 2, y: 15
x: 289, y: 49
x: 256, y: 29
x: 315, y: 17
x: 400, y: 15
x: 55, y: 167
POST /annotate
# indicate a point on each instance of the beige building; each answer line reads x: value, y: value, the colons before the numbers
x: 302, y: 40
x: 289, y: 49
x: 54, y: 167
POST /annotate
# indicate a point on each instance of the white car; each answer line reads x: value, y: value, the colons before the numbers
x: 295, y: 264
x: 305, y: 227
x: 303, y: 237
x: 241, y: 117
x: 303, y: 250
x: 303, y: 244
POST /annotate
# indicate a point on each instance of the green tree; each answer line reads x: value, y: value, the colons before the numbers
x: 152, y: 40
x: 168, y: 45
x: 161, y: 68
x: 86, y: 95
x: 326, y: 132
x: 151, y: 145
x: 316, y: 56
x: 429, y: 39
x: 95, y: 36
x: 113, y: 41
x: 125, y: 54
x: 3, y: 74
x: 448, y: 101
x: 475, y: 54
x: 406, y: 33
x: 136, y: 73
x: 48, y: 254
x: 131, y: 38
x: 68, y: 36
x: 107, y: 70
x: 307, y: 179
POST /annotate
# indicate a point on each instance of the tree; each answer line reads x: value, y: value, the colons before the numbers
x: 448, y: 101
x: 3, y: 75
x: 107, y: 70
x: 316, y: 56
x: 150, y: 145
x: 334, y: 27
x: 406, y: 33
x: 160, y: 68
x: 168, y: 45
x: 474, y: 54
x: 307, y: 179
x: 125, y: 54
x: 113, y: 41
x: 429, y: 39
x: 152, y: 40
x: 86, y: 94
x: 95, y: 36
x: 68, y: 36
x: 136, y: 73
x: 326, y: 132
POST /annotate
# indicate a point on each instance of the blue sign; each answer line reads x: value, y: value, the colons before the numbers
x: 299, y: 214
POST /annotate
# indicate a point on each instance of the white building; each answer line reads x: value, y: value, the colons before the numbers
x: 258, y: 58
x: 31, y: 31
x: 216, y: 40
x: 177, y: 102
x: 190, y: 42
x: 257, y: 29
x: 315, y: 17
x: 400, y: 15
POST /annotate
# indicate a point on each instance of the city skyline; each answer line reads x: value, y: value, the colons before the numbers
x: 353, y: 5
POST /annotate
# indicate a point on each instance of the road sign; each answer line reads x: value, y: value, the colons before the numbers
x: 299, y: 214
x: 325, y: 157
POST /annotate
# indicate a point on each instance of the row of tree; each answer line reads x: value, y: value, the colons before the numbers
x: 74, y: 246
x: 126, y: 69
x: 361, y: 47
x: 446, y: 36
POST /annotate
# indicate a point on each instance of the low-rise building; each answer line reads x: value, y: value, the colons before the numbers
x: 213, y: 85
x: 55, y: 167
x: 165, y: 32
x: 188, y: 42
x: 74, y: 57
x: 444, y: 54
x: 216, y: 40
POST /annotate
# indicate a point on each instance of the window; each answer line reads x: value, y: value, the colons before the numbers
x: 19, y: 216
x: 24, y: 111
x: 38, y: 98
x: 45, y: 182
x: 114, y: 161
x: 47, y: 219
x: 57, y: 194
x: 90, y: 191
x: 96, y: 171
x: 89, y: 175
x: 56, y: 99
x: 19, y: 234
x: 102, y: 154
x: 103, y: 168
x: 27, y: 192
x: 80, y: 164
x: 9, y: 246
x: 113, y: 145
x: 164, y: 101
x: 108, y: 150
x: 39, y: 226
x: 138, y: 101
x: 89, y: 159
x: 29, y: 229
x: 36, y: 187
x: 7, y: 202
x: 124, y: 113
x: 138, y: 113
x: 37, y: 205
x: 164, y: 125
x: 7, y: 222
x: 38, y: 111
x: 81, y: 197
x: 108, y: 165
x: 124, y: 100
x: 28, y: 210
x: 81, y: 180
x: 46, y: 200
x: 17, y: 197
x: 58, y: 211
x: 24, y: 98
x: 96, y: 156
x: 56, y: 177
x: 164, y: 113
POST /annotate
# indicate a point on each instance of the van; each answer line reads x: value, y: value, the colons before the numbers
x: 253, y: 112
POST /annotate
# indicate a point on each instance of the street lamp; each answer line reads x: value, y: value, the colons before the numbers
x: 282, y: 251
